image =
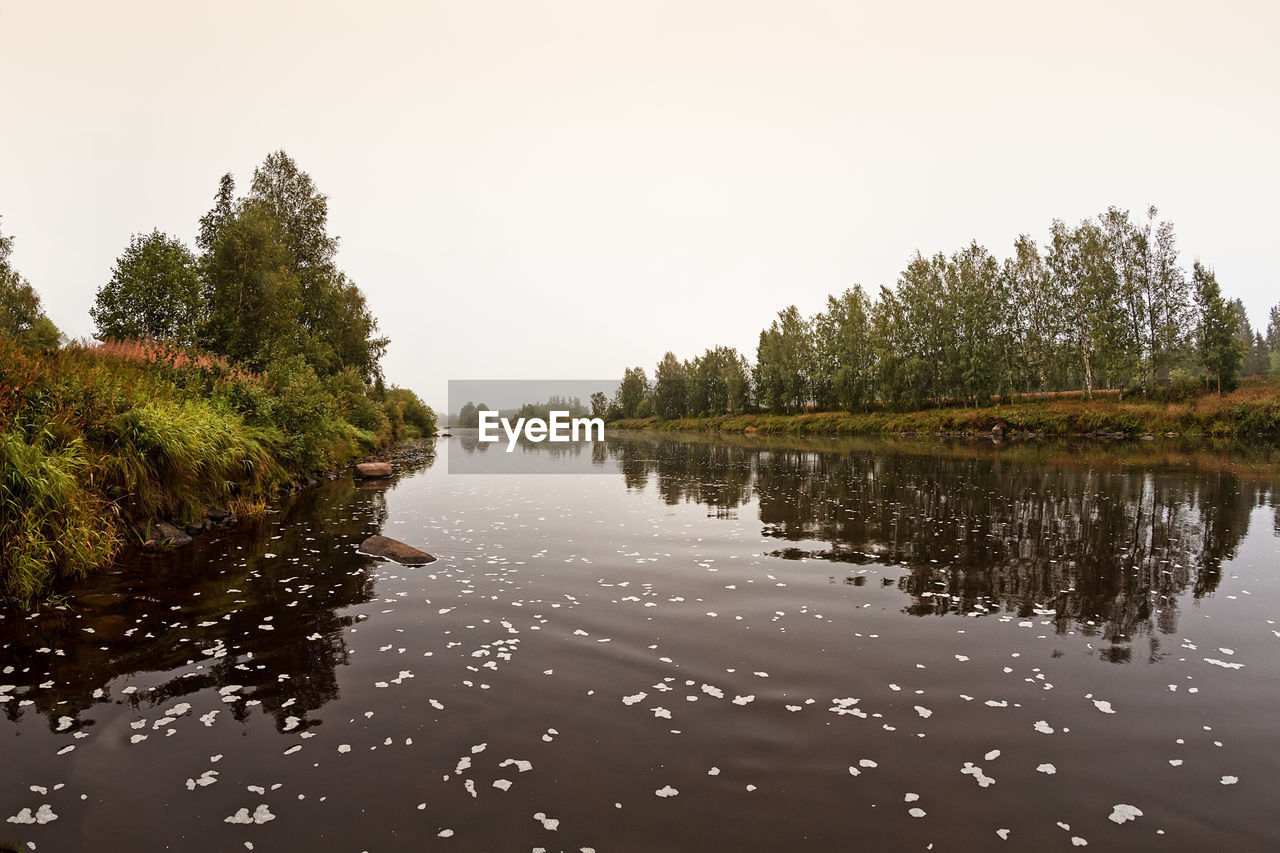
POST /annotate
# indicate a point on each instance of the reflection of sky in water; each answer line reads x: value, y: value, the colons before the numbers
x: 709, y: 648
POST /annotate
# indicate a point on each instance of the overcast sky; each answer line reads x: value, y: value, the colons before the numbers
x: 560, y: 189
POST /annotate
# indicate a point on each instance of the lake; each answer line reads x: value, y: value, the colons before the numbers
x: 728, y: 643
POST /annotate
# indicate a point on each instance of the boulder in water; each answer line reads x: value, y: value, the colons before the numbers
x: 394, y: 549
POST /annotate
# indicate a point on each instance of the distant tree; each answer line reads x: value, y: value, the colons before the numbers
x: 1273, y: 340
x: 845, y: 351
x: 976, y: 292
x: 632, y: 395
x: 154, y: 292
x: 1220, y: 350
x: 669, y: 388
x: 784, y: 363
x: 599, y: 405
x: 469, y: 415
x: 1035, y: 314
x: 22, y: 316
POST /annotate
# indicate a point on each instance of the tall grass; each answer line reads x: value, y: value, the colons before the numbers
x: 51, y: 525
x: 94, y: 438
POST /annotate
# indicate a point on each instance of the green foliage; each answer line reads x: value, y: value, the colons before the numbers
x: 632, y: 393
x: 271, y: 285
x: 154, y: 293
x: 50, y: 525
x: 21, y: 314
x: 304, y: 413
x: 669, y: 391
x: 784, y: 363
x: 419, y: 418
x: 1103, y: 306
x: 1220, y: 350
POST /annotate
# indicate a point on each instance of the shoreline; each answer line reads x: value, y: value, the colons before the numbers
x: 1252, y: 411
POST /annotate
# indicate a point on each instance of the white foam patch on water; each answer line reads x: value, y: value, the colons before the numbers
x: 910, y: 798
x: 992, y: 755
x: 344, y: 748
x: 982, y: 779
x: 666, y: 791
x: 1104, y: 706
x: 916, y: 812
x: 1122, y: 812
x: 924, y: 712
x: 502, y: 784
x: 633, y: 698
x: 1047, y: 768
x: 867, y: 762
x: 547, y: 822
x: 744, y: 700
x: 1003, y: 833
x: 1229, y: 780
x: 519, y: 763
x: 260, y: 815
x: 44, y: 814
x: 1224, y: 664
x: 1043, y: 727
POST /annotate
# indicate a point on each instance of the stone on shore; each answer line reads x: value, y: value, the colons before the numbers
x: 373, y: 470
x: 393, y: 549
x: 159, y: 535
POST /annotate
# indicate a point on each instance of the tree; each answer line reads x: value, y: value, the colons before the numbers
x: 154, y: 292
x: 669, y: 388
x: 22, y: 316
x: 633, y: 393
x: 1273, y: 340
x: 784, y: 361
x: 845, y: 350
x: 1034, y: 313
x: 251, y: 299
x: 599, y: 405
x: 1220, y: 350
x: 975, y: 288
x: 270, y: 251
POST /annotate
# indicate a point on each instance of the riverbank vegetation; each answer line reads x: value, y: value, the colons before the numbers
x: 1102, y: 309
x: 219, y: 378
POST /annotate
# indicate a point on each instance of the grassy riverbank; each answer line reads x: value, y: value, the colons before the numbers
x: 1252, y: 410
x: 94, y: 440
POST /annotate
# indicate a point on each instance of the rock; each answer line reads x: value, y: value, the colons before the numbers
x: 218, y: 514
x: 393, y: 549
x: 158, y: 535
x: 194, y: 529
x: 373, y: 470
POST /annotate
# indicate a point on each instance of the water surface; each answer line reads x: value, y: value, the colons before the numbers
x: 737, y: 644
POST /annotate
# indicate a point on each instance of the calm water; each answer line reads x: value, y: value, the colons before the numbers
x: 716, y: 645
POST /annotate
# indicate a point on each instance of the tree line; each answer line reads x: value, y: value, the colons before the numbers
x: 262, y: 289
x: 1101, y: 305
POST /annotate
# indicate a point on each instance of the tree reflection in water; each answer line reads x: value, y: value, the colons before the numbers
x: 272, y: 624
x: 1099, y: 539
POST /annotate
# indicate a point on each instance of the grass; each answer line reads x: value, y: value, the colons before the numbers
x: 1249, y: 411
x: 94, y: 439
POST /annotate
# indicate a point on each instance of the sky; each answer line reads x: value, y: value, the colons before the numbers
x: 532, y: 190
